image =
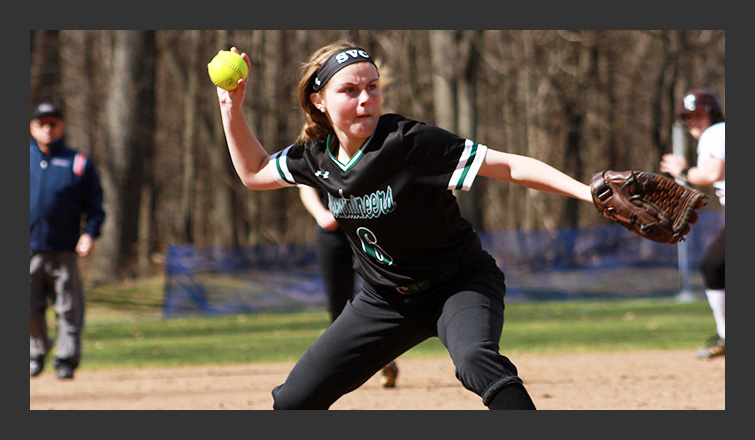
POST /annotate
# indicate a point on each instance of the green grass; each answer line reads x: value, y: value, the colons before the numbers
x: 125, y: 329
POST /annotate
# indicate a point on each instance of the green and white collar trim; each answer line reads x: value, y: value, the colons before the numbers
x: 345, y: 166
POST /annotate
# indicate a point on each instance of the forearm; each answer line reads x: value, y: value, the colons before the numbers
x: 311, y: 201
x: 705, y: 176
x: 248, y: 155
x: 538, y: 175
x: 710, y: 172
x: 532, y: 173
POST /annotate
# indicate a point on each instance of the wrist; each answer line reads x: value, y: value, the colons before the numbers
x: 683, y: 173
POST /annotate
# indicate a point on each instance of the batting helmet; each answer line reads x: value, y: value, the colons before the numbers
x: 701, y: 102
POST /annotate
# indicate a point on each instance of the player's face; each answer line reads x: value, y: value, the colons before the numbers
x: 696, y: 124
x: 46, y: 130
x: 352, y: 99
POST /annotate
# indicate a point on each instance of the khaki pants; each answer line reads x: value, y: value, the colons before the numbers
x: 54, y: 279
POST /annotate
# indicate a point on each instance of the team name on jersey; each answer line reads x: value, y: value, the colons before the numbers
x: 362, y: 207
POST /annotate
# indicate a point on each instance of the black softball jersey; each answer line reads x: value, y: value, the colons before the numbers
x: 394, y: 198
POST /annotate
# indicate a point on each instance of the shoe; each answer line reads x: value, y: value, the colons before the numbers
x: 715, y: 347
x: 390, y: 373
x: 36, y: 365
x: 64, y: 370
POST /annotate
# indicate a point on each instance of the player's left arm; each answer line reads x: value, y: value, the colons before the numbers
x: 532, y: 173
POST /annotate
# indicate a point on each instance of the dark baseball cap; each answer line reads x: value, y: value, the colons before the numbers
x: 46, y: 109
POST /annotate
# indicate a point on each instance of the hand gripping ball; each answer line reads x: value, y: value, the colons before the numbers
x: 226, y: 68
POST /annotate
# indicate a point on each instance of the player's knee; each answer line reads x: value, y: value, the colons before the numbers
x: 284, y: 400
x: 477, y: 366
x: 712, y: 271
x: 472, y: 355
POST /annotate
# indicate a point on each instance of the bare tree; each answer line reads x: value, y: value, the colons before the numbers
x: 221, y: 187
x: 43, y: 64
x: 468, y: 68
x: 122, y: 167
x: 444, y: 74
x: 580, y: 100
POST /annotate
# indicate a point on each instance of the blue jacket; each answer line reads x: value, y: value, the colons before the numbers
x: 64, y: 188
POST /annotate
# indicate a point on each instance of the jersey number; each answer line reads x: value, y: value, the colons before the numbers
x: 371, y: 248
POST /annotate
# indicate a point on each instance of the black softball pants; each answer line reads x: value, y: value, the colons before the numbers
x: 378, y: 325
x: 335, y: 263
x: 713, y: 263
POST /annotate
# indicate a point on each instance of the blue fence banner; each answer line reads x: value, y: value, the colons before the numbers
x: 602, y: 262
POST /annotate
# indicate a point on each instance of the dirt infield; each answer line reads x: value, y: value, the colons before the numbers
x: 635, y: 380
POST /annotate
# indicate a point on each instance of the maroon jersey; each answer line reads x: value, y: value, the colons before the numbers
x: 393, y: 198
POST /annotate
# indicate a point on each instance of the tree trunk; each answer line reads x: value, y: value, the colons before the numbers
x: 222, y: 214
x: 42, y: 55
x: 186, y: 223
x: 77, y: 91
x: 443, y: 79
x: 122, y: 173
x: 145, y: 225
x: 529, y: 220
x: 469, y: 202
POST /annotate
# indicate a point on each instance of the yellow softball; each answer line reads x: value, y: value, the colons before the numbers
x: 226, y: 68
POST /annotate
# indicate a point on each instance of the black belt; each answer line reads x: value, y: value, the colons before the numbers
x: 422, y: 286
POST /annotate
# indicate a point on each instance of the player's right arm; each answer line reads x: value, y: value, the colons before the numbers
x: 250, y: 159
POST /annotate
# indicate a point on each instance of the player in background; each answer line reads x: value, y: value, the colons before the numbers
x: 389, y: 181
x: 704, y: 119
x: 335, y: 262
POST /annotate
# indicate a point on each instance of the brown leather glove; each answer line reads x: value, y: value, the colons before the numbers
x: 648, y: 204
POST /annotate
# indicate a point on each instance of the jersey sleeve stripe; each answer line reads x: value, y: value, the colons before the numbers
x: 469, y: 164
x: 281, y: 172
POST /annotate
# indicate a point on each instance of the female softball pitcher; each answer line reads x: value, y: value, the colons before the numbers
x: 389, y: 182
